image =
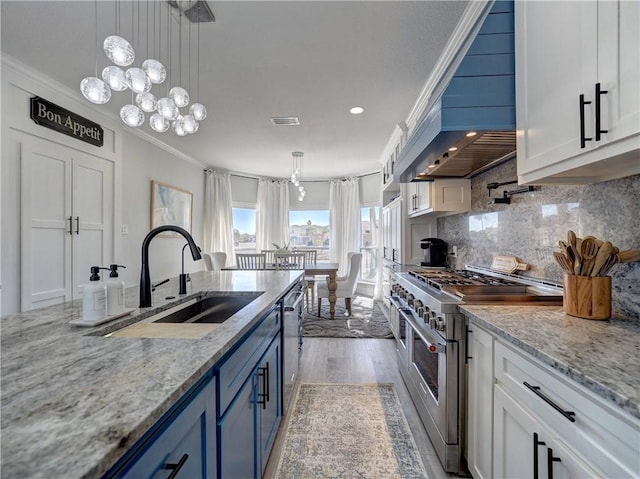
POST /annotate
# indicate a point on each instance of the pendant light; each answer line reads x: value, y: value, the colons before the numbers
x: 93, y: 88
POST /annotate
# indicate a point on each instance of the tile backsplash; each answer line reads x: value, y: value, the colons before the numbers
x: 530, y: 227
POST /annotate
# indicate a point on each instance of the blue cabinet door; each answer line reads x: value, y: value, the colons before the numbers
x: 269, y: 405
x: 184, y: 444
x: 238, y: 434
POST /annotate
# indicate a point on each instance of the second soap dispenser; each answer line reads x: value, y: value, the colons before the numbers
x: 115, y: 291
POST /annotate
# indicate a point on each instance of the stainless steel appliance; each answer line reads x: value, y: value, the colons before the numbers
x: 292, y: 342
x: 435, y: 252
x: 430, y: 333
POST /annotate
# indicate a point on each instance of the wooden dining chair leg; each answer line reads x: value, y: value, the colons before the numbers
x: 347, y: 303
x: 319, y: 304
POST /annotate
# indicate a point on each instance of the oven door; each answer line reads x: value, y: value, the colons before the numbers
x: 433, y: 367
x: 398, y: 324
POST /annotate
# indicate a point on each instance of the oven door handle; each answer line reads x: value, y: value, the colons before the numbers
x: 432, y: 340
x: 295, y: 304
x: 395, y: 301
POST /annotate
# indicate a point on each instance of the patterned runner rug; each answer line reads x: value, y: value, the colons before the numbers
x: 367, y: 321
x: 350, y: 431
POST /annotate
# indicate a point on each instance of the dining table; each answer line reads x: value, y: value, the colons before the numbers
x: 319, y: 269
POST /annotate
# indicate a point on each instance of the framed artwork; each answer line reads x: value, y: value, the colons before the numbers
x: 170, y: 206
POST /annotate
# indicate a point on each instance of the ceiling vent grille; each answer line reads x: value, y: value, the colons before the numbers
x: 285, y: 120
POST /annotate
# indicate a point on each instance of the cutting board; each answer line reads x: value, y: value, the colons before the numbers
x: 508, y: 264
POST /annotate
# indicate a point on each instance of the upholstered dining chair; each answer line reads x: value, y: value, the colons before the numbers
x: 346, y: 286
x: 250, y: 260
x: 309, y: 282
x: 215, y: 261
x: 289, y: 260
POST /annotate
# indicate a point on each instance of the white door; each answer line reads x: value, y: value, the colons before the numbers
x: 66, y: 220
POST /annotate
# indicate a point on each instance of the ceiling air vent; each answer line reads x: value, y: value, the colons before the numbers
x: 285, y: 120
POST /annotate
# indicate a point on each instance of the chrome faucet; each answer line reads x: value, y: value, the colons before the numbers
x: 145, y: 281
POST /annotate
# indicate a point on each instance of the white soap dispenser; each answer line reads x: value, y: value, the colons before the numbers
x: 94, y: 297
x: 115, y: 291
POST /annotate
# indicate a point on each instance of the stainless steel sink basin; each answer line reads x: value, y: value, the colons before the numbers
x: 191, y: 320
x: 210, y: 309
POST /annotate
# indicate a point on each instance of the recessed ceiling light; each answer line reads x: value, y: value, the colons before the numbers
x: 356, y: 110
x: 471, y: 133
x: 453, y: 148
x: 431, y: 166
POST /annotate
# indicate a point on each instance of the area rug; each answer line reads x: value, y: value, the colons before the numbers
x: 367, y: 321
x: 340, y: 431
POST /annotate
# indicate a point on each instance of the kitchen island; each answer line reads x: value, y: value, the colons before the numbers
x: 73, y: 401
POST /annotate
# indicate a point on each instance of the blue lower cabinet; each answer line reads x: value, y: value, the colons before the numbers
x: 184, y: 444
x: 248, y: 428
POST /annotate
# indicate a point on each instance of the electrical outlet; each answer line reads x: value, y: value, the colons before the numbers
x: 454, y: 251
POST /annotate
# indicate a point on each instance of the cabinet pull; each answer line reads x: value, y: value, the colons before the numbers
x: 536, y: 443
x: 71, y: 225
x: 599, y: 92
x: 266, y: 387
x: 536, y: 390
x: 77, y: 225
x: 176, y: 467
x: 583, y: 138
x: 263, y: 396
x: 550, y: 461
x: 384, y: 251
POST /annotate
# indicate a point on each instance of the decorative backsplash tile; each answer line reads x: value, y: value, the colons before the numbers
x: 530, y: 227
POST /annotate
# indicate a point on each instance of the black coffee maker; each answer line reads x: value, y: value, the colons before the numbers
x: 435, y: 252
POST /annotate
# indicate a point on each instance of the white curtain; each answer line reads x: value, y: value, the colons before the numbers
x: 218, y: 214
x: 344, y: 218
x: 272, y: 214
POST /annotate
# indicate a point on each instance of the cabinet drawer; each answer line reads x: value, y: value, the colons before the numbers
x: 606, y: 437
x: 236, y: 368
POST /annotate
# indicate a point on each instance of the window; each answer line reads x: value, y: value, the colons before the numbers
x: 244, y: 228
x: 310, y: 229
x: 370, y: 226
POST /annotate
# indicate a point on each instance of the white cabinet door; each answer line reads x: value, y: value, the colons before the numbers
x: 439, y: 196
x: 480, y: 402
x: 386, y: 233
x: 524, y: 447
x: 396, y: 231
x: 67, y: 220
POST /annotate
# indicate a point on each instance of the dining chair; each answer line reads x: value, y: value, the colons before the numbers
x: 309, y: 281
x: 215, y: 261
x: 250, y: 260
x: 289, y: 260
x: 346, y: 286
x: 269, y: 255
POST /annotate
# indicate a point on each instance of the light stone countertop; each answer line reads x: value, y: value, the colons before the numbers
x: 73, y: 401
x: 603, y: 356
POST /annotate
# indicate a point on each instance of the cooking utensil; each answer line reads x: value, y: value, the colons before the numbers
x: 588, y: 251
x: 577, y: 259
x: 563, y: 262
x: 610, y: 262
x: 595, y: 240
x: 628, y: 256
x: 508, y: 264
x: 571, y: 238
x: 571, y: 257
x: 604, y: 252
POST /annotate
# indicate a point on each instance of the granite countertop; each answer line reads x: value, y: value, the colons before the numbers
x: 603, y: 356
x: 74, y: 401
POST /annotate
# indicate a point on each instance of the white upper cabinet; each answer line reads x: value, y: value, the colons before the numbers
x: 439, y: 196
x: 577, y: 90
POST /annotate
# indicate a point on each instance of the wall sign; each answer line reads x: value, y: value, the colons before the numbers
x: 52, y: 116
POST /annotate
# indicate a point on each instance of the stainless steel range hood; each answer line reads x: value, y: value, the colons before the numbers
x: 473, y: 123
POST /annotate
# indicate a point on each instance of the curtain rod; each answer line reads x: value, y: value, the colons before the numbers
x: 303, y: 181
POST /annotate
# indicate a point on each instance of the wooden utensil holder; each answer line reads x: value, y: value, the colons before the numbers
x: 587, y: 297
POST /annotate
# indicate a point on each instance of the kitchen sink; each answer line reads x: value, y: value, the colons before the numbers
x: 191, y: 320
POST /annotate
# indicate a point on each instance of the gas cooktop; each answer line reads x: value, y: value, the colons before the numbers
x: 439, y: 278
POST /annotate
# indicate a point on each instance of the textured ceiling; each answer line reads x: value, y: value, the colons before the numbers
x: 260, y: 59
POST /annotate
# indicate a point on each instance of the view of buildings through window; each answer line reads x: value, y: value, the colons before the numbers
x: 310, y: 229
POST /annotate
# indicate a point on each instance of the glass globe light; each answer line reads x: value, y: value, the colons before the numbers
x: 154, y: 70
x: 296, y: 182
x: 189, y: 124
x: 137, y: 80
x: 180, y: 96
x: 114, y: 77
x: 196, y: 128
x: 178, y: 126
x: 198, y: 111
x: 118, y: 50
x: 167, y: 108
x: 159, y: 123
x: 95, y: 90
x: 132, y: 116
x: 293, y: 177
x: 146, y: 101
x: 300, y: 188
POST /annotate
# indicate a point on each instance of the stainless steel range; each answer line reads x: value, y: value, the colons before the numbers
x: 430, y: 334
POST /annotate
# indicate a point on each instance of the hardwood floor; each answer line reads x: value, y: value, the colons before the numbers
x: 332, y: 360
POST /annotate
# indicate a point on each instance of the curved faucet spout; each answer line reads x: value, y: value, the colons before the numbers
x: 145, y: 281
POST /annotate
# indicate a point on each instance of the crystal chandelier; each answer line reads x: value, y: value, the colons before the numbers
x: 296, y: 174
x: 124, y: 75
